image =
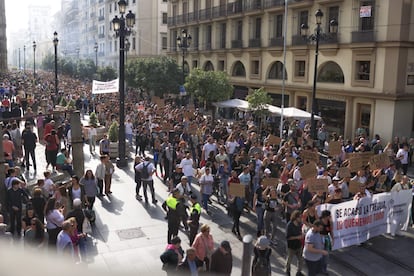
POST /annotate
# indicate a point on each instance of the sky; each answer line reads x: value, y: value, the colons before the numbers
x: 17, y: 11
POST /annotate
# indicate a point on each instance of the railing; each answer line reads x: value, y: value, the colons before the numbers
x: 363, y: 36
x: 274, y: 3
x: 299, y: 40
x: 255, y: 43
x: 276, y: 41
x: 254, y: 5
x: 236, y: 44
x: 101, y: 18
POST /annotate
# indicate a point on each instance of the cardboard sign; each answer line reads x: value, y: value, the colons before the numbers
x: 379, y: 161
x: 291, y: 160
x: 273, y: 140
x: 237, y: 189
x: 189, y: 115
x: 354, y: 186
x: 335, y: 148
x: 167, y: 126
x: 382, y: 179
x: 192, y: 129
x: 365, y: 156
x: 308, y: 171
x: 270, y: 182
x: 344, y: 172
x: 355, y: 164
x: 300, y: 141
x: 309, y: 155
x: 317, y: 185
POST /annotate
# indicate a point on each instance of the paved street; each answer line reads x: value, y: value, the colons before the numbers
x: 130, y: 236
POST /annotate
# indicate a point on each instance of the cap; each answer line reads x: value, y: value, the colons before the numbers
x: 77, y: 202
x: 184, y: 177
x: 262, y: 242
x: 267, y: 171
x: 226, y: 245
x: 336, y: 178
x: 178, y: 166
x: 5, y: 136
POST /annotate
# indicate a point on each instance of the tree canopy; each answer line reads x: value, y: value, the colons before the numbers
x: 158, y: 74
x: 258, y: 100
x: 209, y: 86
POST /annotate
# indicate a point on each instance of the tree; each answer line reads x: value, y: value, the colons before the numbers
x: 93, y: 119
x: 209, y: 86
x: 113, y: 132
x: 107, y: 73
x: 158, y: 74
x: 258, y: 101
x: 48, y: 62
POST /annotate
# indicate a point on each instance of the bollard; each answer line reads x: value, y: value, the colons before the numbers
x: 77, y: 144
x: 247, y: 255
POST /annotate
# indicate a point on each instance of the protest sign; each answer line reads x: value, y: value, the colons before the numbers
x: 309, y: 156
x: 291, y: 160
x: 269, y: 182
x: 354, y: 186
x: 355, y: 164
x: 273, y: 140
x: 382, y: 178
x: 344, y: 172
x: 189, y: 115
x: 317, y: 185
x: 356, y: 221
x: 237, y: 189
x: 364, y: 156
x: 308, y: 171
x: 379, y: 161
x: 335, y: 148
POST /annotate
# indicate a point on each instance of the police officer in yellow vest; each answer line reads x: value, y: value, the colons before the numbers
x: 174, y: 209
x: 194, y: 220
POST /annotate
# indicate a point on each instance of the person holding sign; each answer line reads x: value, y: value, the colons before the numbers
x: 271, y: 214
x: 291, y: 201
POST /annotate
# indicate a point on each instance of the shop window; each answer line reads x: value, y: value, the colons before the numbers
x: 195, y: 64
x: 302, y: 102
x: 220, y: 66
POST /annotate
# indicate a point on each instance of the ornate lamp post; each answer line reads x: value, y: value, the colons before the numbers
x: 34, y: 61
x: 122, y: 27
x: 184, y: 42
x: 55, y: 43
x: 24, y: 58
x: 316, y: 37
x: 96, y: 54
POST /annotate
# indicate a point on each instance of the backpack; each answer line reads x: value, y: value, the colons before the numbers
x: 262, y: 265
x: 144, y: 171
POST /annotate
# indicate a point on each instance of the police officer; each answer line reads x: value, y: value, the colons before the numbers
x: 194, y: 220
x: 174, y: 209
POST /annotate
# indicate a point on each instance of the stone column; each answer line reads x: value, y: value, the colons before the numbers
x: 77, y: 144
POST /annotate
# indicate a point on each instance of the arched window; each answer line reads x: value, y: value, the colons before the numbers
x: 208, y: 66
x: 331, y: 72
x: 238, y: 70
x: 276, y: 71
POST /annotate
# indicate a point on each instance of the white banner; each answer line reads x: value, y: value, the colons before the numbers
x: 356, y: 221
x: 101, y: 87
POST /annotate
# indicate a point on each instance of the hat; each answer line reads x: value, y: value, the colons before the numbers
x: 267, y: 171
x: 5, y: 136
x: 178, y: 166
x: 262, y: 242
x: 226, y: 245
x: 184, y: 177
x: 336, y: 178
x: 291, y: 181
x: 77, y: 202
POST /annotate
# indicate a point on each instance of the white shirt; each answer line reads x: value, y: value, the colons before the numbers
x: 207, y: 148
x: 128, y: 128
x: 187, y: 165
x: 231, y: 146
x: 183, y: 189
x: 48, y: 186
x: 404, y: 154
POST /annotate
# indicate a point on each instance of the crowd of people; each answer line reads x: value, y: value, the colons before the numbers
x: 196, y: 156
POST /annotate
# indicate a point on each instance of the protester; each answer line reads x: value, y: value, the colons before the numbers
x: 222, y: 260
x: 261, y: 261
x: 172, y: 256
x: 204, y: 245
x: 147, y: 170
x: 191, y: 264
x: 294, y: 238
x: 314, y: 249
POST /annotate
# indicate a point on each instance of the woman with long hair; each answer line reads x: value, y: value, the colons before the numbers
x: 36, y: 236
x: 38, y: 203
x: 54, y: 220
x: 77, y: 190
x: 90, y: 186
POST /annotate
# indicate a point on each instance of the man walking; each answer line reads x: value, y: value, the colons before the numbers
x: 294, y: 242
x: 147, y: 169
x: 173, y: 208
x: 29, y: 140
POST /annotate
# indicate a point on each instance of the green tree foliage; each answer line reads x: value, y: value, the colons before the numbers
x: 48, y: 62
x: 113, y: 132
x: 209, y: 86
x: 107, y: 73
x: 158, y: 74
x: 258, y: 101
x: 93, y: 119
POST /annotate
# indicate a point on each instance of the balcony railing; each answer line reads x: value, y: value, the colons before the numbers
x: 274, y: 3
x: 255, y: 43
x: 330, y: 38
x: 101, y: 18
x: 363, y: 36
x: 276, y: 42
x: 237, y: 44
x: 234, y: 8
x: 254, y: 5
x: 299, y: 40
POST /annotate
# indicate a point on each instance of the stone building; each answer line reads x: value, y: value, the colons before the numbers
x: 3, y: 38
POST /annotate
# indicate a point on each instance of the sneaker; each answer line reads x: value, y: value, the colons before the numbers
x: 154, y: 201
x: 138, y: 197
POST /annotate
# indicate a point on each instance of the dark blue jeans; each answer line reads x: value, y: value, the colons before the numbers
x: 314, y: 267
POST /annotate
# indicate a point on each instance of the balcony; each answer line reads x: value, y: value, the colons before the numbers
x: 299, y: 40
x: 273, y: 3
x: 208, y: 46
x: 254, y: 5
x: 255, y: 43
x: 363, y: 36
x: 330, y: 38
x: 237, y: 44
x: 276, y: 42
x: 101, y: 36
x: 234, y: 8
x: 101, y: 18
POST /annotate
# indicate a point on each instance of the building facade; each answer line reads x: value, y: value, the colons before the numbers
x: 365, y: 72
x: 3, y: 38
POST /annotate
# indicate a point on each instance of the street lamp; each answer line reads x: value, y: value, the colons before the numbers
x: 34, y: 61
x: 96, y: 54
x: 19, y: 61
x: 24, y: 58
x: 184, y: 42
x: 122, y: 27
x: 55, y: 43
x: 316, y: 37
x: 127, y: 46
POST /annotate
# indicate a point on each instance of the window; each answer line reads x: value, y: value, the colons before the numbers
x: 115, y: 6
x: 195, y: 64
x: 300, y: 68
x: 133, y: 1
x: 258, y: 28
x: 331, y: 72
x: 238, y: 70
x: 134, y: 43
x: 303, y: 19
x: 110, y: 8
x: 276, y: 71
x: 363, y: 70
x: 278, y: 28
x: 367, y: 15
x: 115, y: 45
x: 255, y: 67
x: 239, y: 30
x: 410, y: 80
x: 223, y: 35
x: 208, y: 37
x: 164, y: 18
x: 220, y: 66
x: 195, y: 38
x: 333, y: 13
x: 164, y: 43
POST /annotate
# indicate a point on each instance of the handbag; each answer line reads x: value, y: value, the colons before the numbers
x: 86, y: 226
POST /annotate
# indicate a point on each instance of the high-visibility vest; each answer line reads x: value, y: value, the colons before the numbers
x: 172, y: 203
x: 196, y: 207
